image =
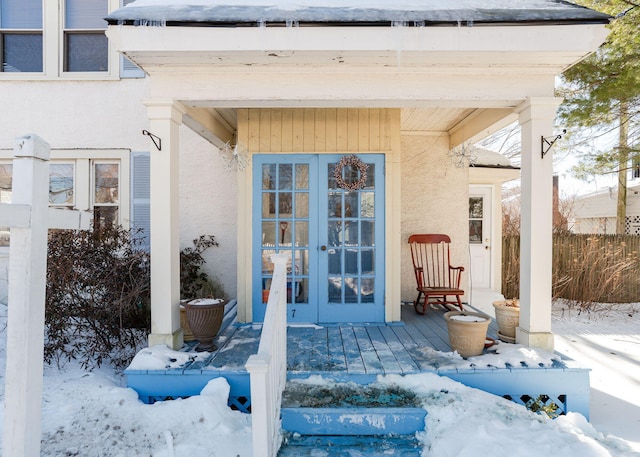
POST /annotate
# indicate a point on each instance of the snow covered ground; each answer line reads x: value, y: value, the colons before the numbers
x: 92, y: 414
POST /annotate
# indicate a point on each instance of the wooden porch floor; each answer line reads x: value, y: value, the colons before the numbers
x: 412, y: 346
x: 360, y: 353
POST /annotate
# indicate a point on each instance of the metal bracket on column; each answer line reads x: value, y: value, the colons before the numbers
x: 546, y: 143
x: 157, y: 141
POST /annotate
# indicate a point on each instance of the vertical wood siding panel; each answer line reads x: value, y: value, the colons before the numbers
x: 341, y: 123
x: 331, y: 131
x: 374, y: 130
x: 254, y: 130
x: 265, y: 130
x: 352, y: 130
x: 298, y: 131
x: 309, y: 133
x: 321, y: 130
x: 287, y: 130
x: 243, y: 127
x: 276, y: 130
x: 363, y: 130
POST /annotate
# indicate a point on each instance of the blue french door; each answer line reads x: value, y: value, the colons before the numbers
x: 333, y: 236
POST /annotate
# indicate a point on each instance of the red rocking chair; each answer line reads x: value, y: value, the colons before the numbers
x: 435, y: 277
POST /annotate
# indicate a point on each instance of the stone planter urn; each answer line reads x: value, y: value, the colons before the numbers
x: 204, y: 316
x: 508, y: 318
x: 187, y: 335
x: 467, y: 332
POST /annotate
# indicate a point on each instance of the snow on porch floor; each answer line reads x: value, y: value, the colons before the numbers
x: 360, y: 353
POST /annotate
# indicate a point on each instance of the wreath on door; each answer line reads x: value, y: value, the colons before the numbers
x: 354, y: 162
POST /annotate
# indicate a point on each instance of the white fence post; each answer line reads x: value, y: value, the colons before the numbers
x: 27, y: 276
x: 29, y: 218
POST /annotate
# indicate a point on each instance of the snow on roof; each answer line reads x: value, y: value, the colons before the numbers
x: 490, y: 159
x: 414, y: 12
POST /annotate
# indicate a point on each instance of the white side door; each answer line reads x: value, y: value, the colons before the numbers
x: 480, y: 236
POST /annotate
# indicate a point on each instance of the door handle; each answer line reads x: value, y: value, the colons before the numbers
x: 323, y: 248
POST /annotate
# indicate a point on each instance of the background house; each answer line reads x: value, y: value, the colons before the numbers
x: 596, y: 212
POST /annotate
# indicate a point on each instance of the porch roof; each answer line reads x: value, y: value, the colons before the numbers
x: 352, y: 12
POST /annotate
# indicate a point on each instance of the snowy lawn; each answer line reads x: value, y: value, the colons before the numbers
x: 91, y: 414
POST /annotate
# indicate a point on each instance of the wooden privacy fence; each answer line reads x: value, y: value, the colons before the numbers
x: 586, y: 268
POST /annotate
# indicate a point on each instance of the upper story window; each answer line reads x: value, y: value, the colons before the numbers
x: 635, y: 171
x: 21, y: 38
x: 86, y: 47
x: 60, y: 39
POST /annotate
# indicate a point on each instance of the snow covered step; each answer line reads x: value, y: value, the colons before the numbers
x: 349, y: 409
x: 353, y: 421
x: 349, y: 446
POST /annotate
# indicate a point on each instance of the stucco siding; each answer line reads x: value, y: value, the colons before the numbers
x: 208, y: 206
x: 435, y: 199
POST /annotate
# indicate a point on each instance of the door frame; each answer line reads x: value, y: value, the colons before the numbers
x: 485, y: 245
x: 320, y: 312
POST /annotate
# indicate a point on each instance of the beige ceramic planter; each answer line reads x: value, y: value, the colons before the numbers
x: 205, y: 318
x: 467, y: 332
x: 508, y: 319
x: 184, y: 323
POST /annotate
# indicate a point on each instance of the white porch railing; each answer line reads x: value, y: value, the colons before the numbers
x: 268, y: 368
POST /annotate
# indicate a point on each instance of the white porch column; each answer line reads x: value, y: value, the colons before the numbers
x: 165, y: 117
x: 536, y: 120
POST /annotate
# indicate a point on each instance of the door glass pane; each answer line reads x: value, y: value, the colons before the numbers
x: 367, y: 289
x: 475, y: 207
x: 351, y: 290
x: 335, y: 264
x: 268, y: 205
x: 335, y: 289
x: 106, y: 182
x: 302, y: 262
x: 368, y: 261
x: 302, y: 234
x: 285, y: 177
x: 285, y: 205
x: 302, y: 204
x: 351, y: 262
x: 284, y: 233
x: 61, y: 184
x: 267, y: 265
x: 367, y: 201
x: 371, y: 177
x: 351, y: 204
x: 268, y: 233
x: 368, y: 233
x: 476, y: 212
x: 302, y: 176
x: 335, y: 233
x: 269, y: 177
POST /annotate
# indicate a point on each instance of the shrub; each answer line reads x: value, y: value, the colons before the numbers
x: 195, y: 283
x: 98, y: 297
